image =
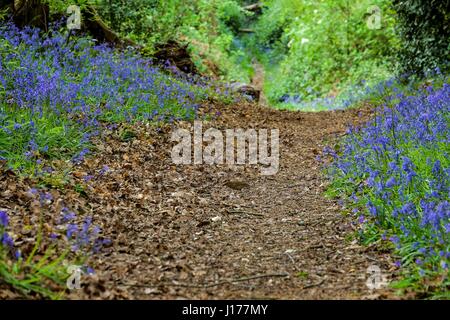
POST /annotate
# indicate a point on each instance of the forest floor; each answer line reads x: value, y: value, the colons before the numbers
x: 220, y: 232
x: 217, y: 231
x: 214, y: 231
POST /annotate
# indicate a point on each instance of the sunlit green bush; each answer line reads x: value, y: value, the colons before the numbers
x: 325, y: 45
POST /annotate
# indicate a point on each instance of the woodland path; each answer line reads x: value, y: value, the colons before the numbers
x: 219, y: 232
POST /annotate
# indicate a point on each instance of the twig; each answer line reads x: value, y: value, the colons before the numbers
x: 234, y: 205
x: 315, y: 246
x: 313, y: 284
x: 253, y: 7
x: 215, y: 284
x: 45, y: 19
x: 208, y: 285
x: 245, y: 212
x: 292, y: 260
x: 370, y: 258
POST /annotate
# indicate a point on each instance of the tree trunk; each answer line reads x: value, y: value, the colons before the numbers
x: 30, y: 13
x: 36, y: 14
x: 94, y: 24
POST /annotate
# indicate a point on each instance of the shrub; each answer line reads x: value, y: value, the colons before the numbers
x: 206, y: 25
x: 424, y: 27
x: 325, y: 47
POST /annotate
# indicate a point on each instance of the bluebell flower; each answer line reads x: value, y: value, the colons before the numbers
x: 447, y: 228
x: 391, y: 182
x: 6, y: 240
x: 68, y: 216
x: 72, y: 229
x: 372, y: 209
x: 4, y: 219
x: 88, y: 178
x: 104, y: 170
x: 89, y: 270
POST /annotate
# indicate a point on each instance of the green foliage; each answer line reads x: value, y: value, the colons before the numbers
x: 206, y: 25
x: 146, y: 22
x: 35, y: 275
x: 232, y: 15
x: 4, y: 14
x: 324, y: 46
x: 60, y: 6
x: 42, y: 272
x: 424, y: 27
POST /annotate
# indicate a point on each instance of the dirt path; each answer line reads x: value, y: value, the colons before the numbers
x: 226, y: 232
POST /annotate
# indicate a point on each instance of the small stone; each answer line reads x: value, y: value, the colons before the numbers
x: 237, y: 184
x: 150, y: 290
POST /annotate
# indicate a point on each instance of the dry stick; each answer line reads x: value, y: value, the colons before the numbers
x: 370, y: 258
x: 235, y: 205
x: 245, y: 212
x: 292, y: 260
x: 209, y: 285
x: 281, y: 275
x: 313, y: 284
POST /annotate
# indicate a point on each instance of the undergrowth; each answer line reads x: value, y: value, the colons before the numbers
x: 394, y: 173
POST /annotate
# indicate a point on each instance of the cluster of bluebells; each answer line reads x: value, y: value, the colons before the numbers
x: 6, y: 241
x: 85, y: 236
x: 54, y: 92
x: 362, y: 91
x: 354, y: 94
x: 398, y: 166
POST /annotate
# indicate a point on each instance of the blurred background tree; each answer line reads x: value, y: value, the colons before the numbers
x: 424, y: 28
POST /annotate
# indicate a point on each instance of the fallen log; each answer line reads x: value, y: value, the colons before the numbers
x: 246, y: 90
x: 247, y: 30
x: 36, y: 13
x: 254, y: 7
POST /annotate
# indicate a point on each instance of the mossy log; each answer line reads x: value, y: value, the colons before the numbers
x: 37, y: 14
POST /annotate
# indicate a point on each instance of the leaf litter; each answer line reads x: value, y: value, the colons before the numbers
x: 214, y: 231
